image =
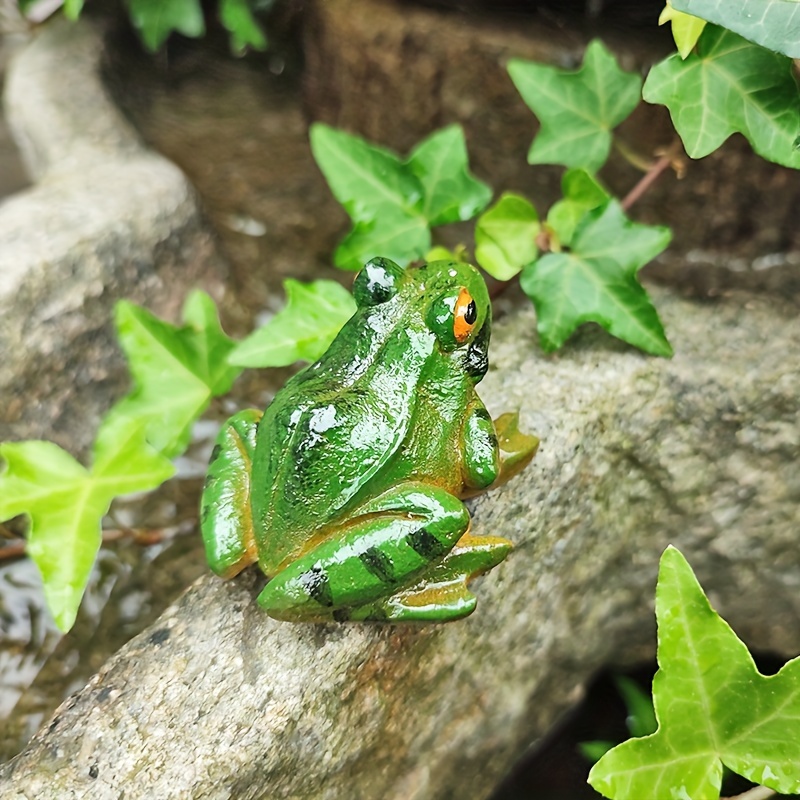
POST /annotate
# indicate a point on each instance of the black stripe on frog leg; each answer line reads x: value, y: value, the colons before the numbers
x: 379, y: 565
x: 317, y: 584
x: 426, y: 545
x: 215, y: 454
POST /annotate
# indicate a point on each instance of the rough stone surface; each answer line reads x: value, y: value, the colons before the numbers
x: 215, y: 700
x: 394, y: 72
x: 106, y: 218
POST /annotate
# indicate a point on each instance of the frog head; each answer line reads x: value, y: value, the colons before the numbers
x: 448, y: 300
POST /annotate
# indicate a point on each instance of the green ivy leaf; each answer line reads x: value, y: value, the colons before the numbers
x: 774, y: 24
x: 65, y: 503
x: 176, y: 370
x: 451, y: 193
x: 380, y: 194
x: 505, y: 236
x: 712, y: 705
x: 686, y: 29
x: 729, y: 85
x: 302, y: 331
x: 393, y: 203
x: 393, y: 235
x: 157, y: 19
x: 245, y: 32
x: 73, y: 8
x: 439, y: 253
x: 641, y: 719
x: 582, y: 193
x: 596, y: 282
x: 595, y: 749
x: 577, y: 110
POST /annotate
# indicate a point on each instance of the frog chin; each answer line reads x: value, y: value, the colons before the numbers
x: 476, y: 355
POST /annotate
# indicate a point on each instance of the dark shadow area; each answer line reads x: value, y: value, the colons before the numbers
x: 557, y: 770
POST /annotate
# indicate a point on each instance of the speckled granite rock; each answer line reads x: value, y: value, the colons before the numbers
x: 216, y: 700
x: 106, y: 218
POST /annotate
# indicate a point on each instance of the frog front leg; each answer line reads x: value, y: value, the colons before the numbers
x: 494, y: 451
x: 226, y: 521
x: 395, y: 539
x: 480, y: 464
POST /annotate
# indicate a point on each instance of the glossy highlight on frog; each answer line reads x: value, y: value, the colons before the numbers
x: 348, y: 490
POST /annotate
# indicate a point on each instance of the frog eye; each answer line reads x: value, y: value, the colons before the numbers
x: 453, y: 317
x: 377, y: 282
x: 465, y: 315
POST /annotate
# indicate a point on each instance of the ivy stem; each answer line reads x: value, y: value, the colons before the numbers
x: 16, y: 548
x: 756, y: 793
x: 631, y: 156
x: 670, y: 158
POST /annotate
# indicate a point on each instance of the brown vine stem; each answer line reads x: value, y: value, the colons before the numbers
x: 669, y: 158
x: 16, y: 549
x: 756, y: 793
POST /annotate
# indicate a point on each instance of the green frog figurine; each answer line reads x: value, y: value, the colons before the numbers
x: 348, y: 489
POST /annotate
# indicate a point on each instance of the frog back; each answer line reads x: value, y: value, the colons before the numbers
x: 329, y: 431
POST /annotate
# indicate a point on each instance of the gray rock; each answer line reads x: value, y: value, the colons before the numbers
x: 107, y: 218
x: 215, y: 700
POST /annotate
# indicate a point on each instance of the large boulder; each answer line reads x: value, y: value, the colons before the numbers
x: 106, y: 218
x: 216, y: 700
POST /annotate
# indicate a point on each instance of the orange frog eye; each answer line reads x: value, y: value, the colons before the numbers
x: 466, y: 315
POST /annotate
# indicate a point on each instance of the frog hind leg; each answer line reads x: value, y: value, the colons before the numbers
x: 443, y: 596
x: 395, y: 540
x: 226, y: 521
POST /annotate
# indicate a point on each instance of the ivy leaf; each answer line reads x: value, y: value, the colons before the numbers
x: 596, y: 282
x: 505, y: 236
x: 245, y: 32
x: 393, y: 203
x: 686, y: 29
x: 641, y: 719
x: 65, y: 503
x: 73, y: 8
x: 440, y: 253
x: 176, y: 370
x: 393, y: 235
x: 380, y: 194
x: 451, y: 193
x: 302, y: 331
x: 774, y: 24
x: 729, y: 85
x: 712, y: 705
x: 582, y: 193
x: 156, y: 19
x: 577, y: 110
x: 595, y: 749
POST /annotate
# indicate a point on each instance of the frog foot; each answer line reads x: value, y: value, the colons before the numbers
x: 516, y: 448
x: 442, y: 596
